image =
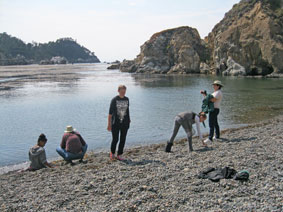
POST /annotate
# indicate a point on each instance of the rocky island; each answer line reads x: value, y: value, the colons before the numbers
x: 248, y: 41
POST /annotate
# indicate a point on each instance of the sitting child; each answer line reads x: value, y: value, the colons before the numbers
x: 37, y: 155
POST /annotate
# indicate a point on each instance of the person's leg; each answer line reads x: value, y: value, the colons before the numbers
x: 123, y: 135
x: 174, y: 134
x: 84, y: 148
x: 211, y: 124
x: 67, y: 156
x: 217, y: 130
x: 81, y: 155
x: 72, y: 156
x: 61, y: 152
x: 115, y: 138
x: 188, y: 129
x: 175, y: 130
x: 190, y: 140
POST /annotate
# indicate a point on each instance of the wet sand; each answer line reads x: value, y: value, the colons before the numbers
x: 13, y: 77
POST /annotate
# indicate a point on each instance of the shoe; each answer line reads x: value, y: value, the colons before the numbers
x: 208, y: 141
x: 70, y: 162
x: 112, y: 156
x: 82, y: 161
x: 168, y: 147
x: 120, y: 158
x: 216, y: 138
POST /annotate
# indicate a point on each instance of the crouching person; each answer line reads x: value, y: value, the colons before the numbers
x: 37, y: 155
x: 186, y: 120
x: 72, y: 147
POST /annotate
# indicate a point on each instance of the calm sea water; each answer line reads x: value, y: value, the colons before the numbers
x: 47, y: 106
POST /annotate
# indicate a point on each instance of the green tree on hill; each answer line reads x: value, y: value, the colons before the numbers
x: 12, y: 48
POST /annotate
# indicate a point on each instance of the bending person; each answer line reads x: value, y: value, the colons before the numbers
x: 186, y: 120
x: 72, y: 146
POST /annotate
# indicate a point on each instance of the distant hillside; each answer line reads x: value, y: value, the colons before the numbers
x: 14, y: 51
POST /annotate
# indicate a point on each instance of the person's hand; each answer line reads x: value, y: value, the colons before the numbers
x: 203, y: 92
x: 109, y: 128
x: 50, y: 165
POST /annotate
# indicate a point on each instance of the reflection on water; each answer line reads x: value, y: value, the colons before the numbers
x: 50, y: 97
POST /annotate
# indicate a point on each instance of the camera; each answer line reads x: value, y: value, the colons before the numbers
x: 203, y: 92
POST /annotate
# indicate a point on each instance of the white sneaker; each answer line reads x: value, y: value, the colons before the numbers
x: 214, y: 138
x: 207, y: 141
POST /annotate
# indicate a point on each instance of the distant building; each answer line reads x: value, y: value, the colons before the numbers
x: 58, y: 60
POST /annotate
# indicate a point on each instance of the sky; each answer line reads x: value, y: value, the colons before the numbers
x: 113, y: 29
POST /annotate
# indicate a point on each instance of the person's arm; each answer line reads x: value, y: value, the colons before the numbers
x: 111, y: 112
x: 43, y: 160
x: 215, y: 98
x: 198, y: 127
x: 81, y: 139
x: 109, y: 128
x: 48, y: 164
x: 63, y: 142
x: 129, y: 111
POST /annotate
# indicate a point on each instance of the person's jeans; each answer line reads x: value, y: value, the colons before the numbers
x: 116, y: 130
x: 213, y: 124
x: 68, y: 156
x: 188, y: 130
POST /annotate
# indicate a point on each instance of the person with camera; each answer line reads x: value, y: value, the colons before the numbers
x: 213, y: 111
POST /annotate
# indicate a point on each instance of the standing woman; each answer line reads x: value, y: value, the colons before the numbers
x: 119, y: 121
x: 213, y: 121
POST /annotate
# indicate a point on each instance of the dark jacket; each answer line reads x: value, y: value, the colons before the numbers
x: 207, y: 104
x: 216, y: 174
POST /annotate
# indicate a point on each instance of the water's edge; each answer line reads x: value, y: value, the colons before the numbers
x: 24, y: 165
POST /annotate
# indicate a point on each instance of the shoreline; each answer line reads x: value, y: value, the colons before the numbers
x: 6, y: 169
x: 152, y: 180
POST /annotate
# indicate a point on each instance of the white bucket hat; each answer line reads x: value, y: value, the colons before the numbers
x: 218, y: 82
x: 69, y: 129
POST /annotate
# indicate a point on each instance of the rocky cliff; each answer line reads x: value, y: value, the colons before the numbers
x: 248, y: 41
x: 178, y: 50
x: 251, y: 34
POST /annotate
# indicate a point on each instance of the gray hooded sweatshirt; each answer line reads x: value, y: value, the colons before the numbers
x: 37, y: 157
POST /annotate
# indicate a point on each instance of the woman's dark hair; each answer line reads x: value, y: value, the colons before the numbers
x: 219, y: 86
x: 41, y: 137
x: 202, y: 114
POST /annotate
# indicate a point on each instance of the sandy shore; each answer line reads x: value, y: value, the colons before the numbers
x: 14, y: 77
x: 152, y: 180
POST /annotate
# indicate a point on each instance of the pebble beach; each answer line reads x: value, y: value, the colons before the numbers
x: 152, y: 180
